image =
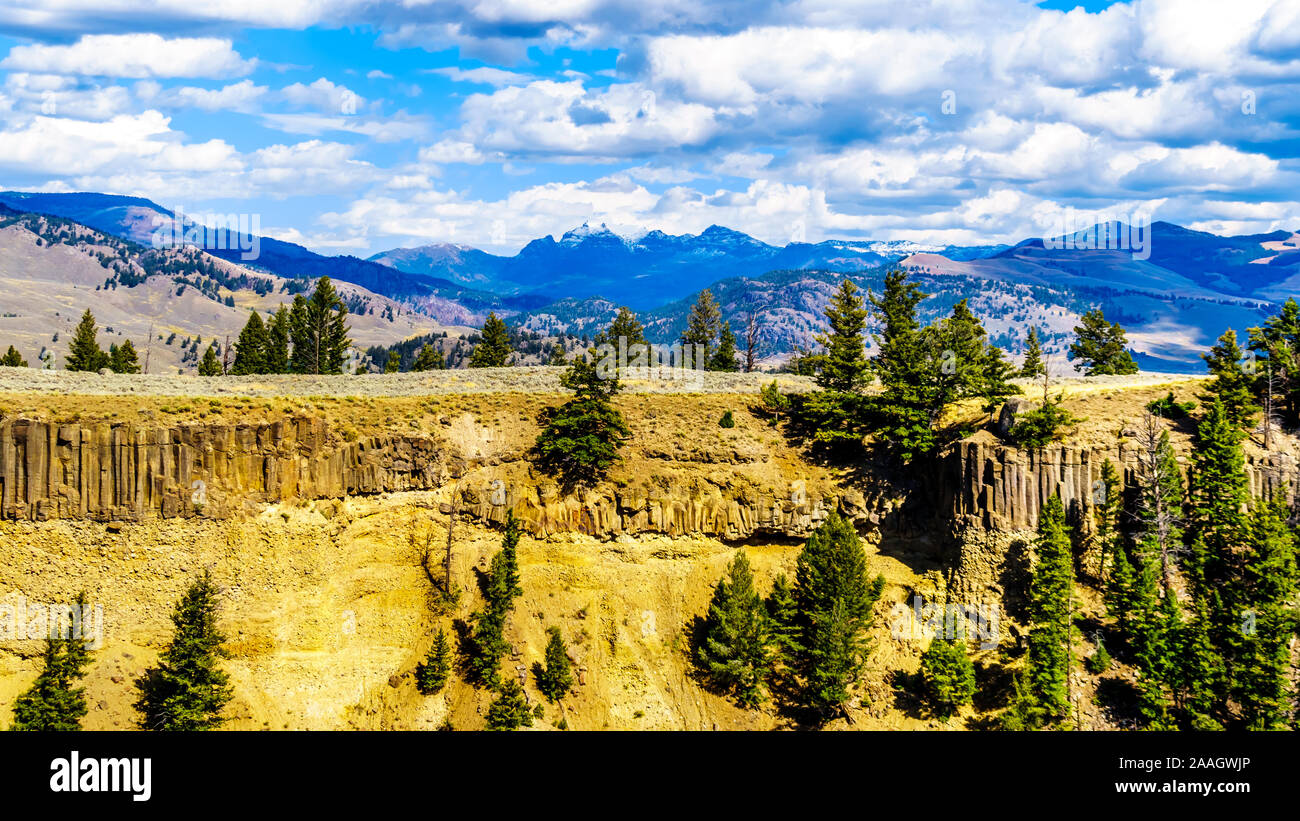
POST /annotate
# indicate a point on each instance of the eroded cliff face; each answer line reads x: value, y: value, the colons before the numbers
x: 130, y: 473
x: 123, y: 472
x: 992, y: 495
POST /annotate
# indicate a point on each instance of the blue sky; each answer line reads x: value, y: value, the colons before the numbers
x: 353, y: 127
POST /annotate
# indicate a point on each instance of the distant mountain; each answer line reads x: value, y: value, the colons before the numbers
x: 644, y: 272
x: 1174, y: 300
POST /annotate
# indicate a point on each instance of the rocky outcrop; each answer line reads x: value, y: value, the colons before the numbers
x: 122, y: 472
x: 729, y: 511
x: 989, y: 496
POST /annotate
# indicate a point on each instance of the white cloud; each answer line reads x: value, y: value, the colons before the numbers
x: 132, y: 56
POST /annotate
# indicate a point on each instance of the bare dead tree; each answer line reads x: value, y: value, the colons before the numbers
x: 751, y: 338
x: 451, y: 527
x: 225, y: 356
x: 148, y: 349
x: 1157, y: 513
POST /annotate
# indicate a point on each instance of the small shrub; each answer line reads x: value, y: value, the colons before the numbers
x: 727, y: 420
x: 1099, y: 662
x: 1168, y: 408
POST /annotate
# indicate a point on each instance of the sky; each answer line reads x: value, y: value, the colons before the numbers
x: 356, y: 126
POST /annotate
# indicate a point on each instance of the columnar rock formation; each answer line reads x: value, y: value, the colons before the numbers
x: 121, y: 472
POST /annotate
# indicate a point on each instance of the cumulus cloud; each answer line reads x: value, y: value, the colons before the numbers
x: 132, y: 56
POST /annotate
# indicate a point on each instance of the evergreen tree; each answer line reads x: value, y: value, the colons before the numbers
x: 123, y: 358
x: 432, y: 673
x: 251, y: 347
x: 1050, y: 617
x: 734, y: 651
x: 947, y: 675
x: 558, y: 356
x: 1101, y: 347
x: 55, y: 702
x: 13, y: 359
x: 901, y: 363
x: 1107, y: 505
x: 844, y: 364
x: 1269, y: 579
x: 211, y: 363
x: 1033, y: 366
x: 486, y: 642
x: 625, y: 328
x: 1278, y: 340
x: 318, y: 331
x: 510, y: 710
x: 84, y: 354
x: 783, y: 619
x: 278, y: 332
x: 703, y: 325
x: 724, y: 357
x: 394, y: 363
x: 1232, y: 383
x: 494, y: 344
x: 834, y: 599
x: 188, y: 690
x: 1218, y: 489
x: 580, y: 440
x: 555, y: 679
x: 429, y: 359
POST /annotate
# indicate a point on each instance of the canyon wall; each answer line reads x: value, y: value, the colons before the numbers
x: 123, y: 472
x: 120, y: 472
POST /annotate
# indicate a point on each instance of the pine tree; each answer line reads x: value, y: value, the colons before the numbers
x: 555, y: 678
x: 734, y: 651
x: 432, y: 673
x: 1033, y: 366
x: 1218, y: 489
x: 1105, y: 517
x: 901, y: 363
x: 947, y: 675
x: 494, y: 344
x: 834, y: 599
x: 394, y: 362
x: 13, y: 359
x: 1278, y: 339
x: 429, y: 359
x: 486, y: 642
x: 510, y: 710
x: 55, y: 702
x: 783, y: 619
x: 1269, y: 581
x: 188, y: 690
x: 211, y: 363
x: 251, y: 347
x: 1101, y: 347
x: 123, y: 358
x: 627, y: 330
x: 844, y: 365
x: 84, y: 354
x: 580, y: 440
x: 1233, y: 384
x: 278, y: 333
x: 723, y: 358
x: 1049, y: 615
x: 703, y: 326
x: 558, y: 356
x: 318, y: 331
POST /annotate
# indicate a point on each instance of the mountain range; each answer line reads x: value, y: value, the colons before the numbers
x: 1174, y: 302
